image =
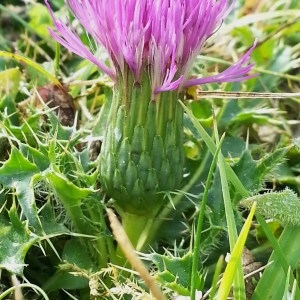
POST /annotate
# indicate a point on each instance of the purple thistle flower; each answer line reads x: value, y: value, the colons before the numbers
x: 152, y: 43
x: 161, y: 37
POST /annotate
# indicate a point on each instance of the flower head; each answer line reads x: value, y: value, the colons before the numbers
x: 159, y: 36
x: 152, y: 45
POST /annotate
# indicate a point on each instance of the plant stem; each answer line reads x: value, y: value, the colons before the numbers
x: 100, y: 242
x: 135, y: 227
x: 57, y: 60
x: 139, y: 231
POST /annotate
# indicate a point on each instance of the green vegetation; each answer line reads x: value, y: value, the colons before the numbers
x: 240, y: 191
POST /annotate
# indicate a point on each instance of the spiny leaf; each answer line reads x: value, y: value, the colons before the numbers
x: 16, y: 239
x: 67, y: 191
x: 18, y: 174
x: 175, y: 272
x: 71, y: 197
x: 49, y: 222
x: 16, y: 169
x: 252, y: 172
x: 284, y: 206
x: 35, y: 156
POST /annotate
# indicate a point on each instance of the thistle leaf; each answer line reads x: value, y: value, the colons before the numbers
x: 16, y: 239
x: 252, y: 172
x: 175, y: 272
x: 18, y: 174
x: 283, y: 205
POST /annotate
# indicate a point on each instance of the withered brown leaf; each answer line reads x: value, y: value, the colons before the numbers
x: 57, y: 97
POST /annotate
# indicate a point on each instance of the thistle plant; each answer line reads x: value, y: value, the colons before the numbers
x: 151, y: 45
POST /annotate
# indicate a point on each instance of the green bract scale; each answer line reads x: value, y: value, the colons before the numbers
x: 142, y: 151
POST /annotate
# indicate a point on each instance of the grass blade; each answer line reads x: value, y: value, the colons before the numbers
x: 286, y: 254
x: 235, y: 258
